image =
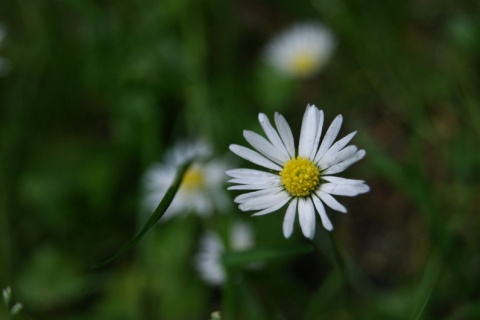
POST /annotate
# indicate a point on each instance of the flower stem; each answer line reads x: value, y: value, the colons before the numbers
x: 347, y: 286
x: 338, y: 260
x: 228, y: 302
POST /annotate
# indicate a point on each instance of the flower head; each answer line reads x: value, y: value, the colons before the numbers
x: 201, y: 188
x: 302, y: 178
x: 208, y: 260
x: 302, y: 50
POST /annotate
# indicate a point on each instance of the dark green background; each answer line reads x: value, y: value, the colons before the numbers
x: 98, y: 90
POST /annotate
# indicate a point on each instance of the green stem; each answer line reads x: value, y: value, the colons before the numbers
x: 347, y: 286
x: 194, y: 53
x: 5, y: 243
x: 228, y: 303
x: 156, y: 215
x: 339, y: 263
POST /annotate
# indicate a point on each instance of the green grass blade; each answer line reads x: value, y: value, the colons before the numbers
x: 156, y: 215
x: 424, y: 291
x: 422, y: 308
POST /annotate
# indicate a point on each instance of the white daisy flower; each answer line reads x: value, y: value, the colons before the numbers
x: 201, y: 190
x: 304, y: 178
x: 302, y: 50
x: 208, y: 260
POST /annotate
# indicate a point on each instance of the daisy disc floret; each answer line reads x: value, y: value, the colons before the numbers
x: 300, y: 176
x: 303, y: 178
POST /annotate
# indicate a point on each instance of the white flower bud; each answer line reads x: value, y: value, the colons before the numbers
x: 17, y: 307
x: 7, y: 294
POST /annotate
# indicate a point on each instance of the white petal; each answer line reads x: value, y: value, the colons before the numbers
x: 251, y: 187
x: 275, y: 207
x: 289, y: 219
x: 271, y: 181
x: 272, y: 134
x: 249, y: 174
x: 308, y: 132
x: 339, y: 180
x: 313, y: 225
x: 285, y: 133
x: 327, y: 224
x: 339, y: 167
x: 320, y: 118
x: 337, y: 146
x: 264, y: 147
x: 306, y: 215
x: 255, y: 184
x: 331, y: 201
x: 329, y: 137
x: 330, y: 159
x: 254, y: 157
x: 264, y: 203
x: 348, y: 190
x: 257, y: 194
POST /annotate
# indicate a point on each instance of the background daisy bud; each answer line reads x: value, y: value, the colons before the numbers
x: 302, y: 50
x: 17, y: 307
x: 7, y: 295
x: 208, y: 260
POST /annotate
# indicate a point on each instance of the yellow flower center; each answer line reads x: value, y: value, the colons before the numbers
x: 300, y: 176
x: 193, y: 179
x: 304, y: 64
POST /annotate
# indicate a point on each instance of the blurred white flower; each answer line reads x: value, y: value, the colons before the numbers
x: 302, y: 178
x: 4, y: 63
x: 302, y: 50
x: 16, y: 308
x: 208, y: 260
x: 7, y: 295
x: 201, y: 190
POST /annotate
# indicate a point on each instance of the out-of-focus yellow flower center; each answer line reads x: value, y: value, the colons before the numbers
x: 304, y: 64
x: 193, y: 179
x: 300, y: 176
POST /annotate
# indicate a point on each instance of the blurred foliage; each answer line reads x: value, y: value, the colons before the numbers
x: 99, y: 89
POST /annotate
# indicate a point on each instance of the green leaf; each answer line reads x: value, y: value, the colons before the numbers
x: 156, y: 215
x: 238, y: 258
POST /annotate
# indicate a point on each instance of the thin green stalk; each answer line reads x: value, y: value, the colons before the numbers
x: 194, y: 51
x: 347, y: 286
x: 340, y: 264
x: 339, y: 280
x: 5, y: 243
x: 228, y: 303
x: 422, y: 308
x: 229, y: 295
x: 427, y: 284
x: 156, y: 215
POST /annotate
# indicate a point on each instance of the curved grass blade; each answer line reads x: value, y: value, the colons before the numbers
x: 427, y: 284
x: 239, y: 258
x: 156, y: 215
x: 422, y: 308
